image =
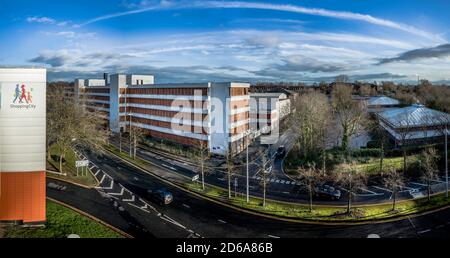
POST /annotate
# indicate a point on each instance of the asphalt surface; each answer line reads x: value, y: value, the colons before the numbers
x: 281, y: 187
x: 192, y: 217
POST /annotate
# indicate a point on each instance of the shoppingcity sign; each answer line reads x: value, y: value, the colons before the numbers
x: 22, y: 97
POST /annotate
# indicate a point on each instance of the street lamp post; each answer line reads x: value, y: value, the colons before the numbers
x: 247, y: 190
x: 130, y: 136
x: 446, y: 161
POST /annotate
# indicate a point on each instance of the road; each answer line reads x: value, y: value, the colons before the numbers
x: 280, y: 186
x: 189, y: 213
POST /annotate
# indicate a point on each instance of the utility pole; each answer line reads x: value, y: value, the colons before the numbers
x: 130, y: 136
x: 446, y: 161
x: 247, y: 190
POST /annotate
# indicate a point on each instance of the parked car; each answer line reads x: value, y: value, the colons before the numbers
x: 56, y: 187
x: 160, y: 196
x: 281, y: 151
x: 327, y: 192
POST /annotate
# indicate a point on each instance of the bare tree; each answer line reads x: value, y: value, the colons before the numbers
x: 428, y: 163
x: 312, y: 177
x: 404, y: 133
x: 349, y: 113
x: 341, y: 78
x: 136, y: 134
x: 350, y: 178
x: 381, y: 135
x: 310, y: 123
x: 395, y: 181
x: 230, y: 169
x: 264, y: 175
x: 73, y: 124
x: 203, y: 156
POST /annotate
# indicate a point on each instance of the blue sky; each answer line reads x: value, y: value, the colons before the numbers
x: 186, y: 41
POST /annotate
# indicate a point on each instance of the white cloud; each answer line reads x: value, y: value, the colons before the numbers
x: 45, y: 20
x: 147, y: 6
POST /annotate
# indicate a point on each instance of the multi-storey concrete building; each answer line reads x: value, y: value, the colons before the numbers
x: 216, y: 114
x: 267, y: 110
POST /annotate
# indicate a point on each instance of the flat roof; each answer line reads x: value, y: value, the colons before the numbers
x: 192, y: 85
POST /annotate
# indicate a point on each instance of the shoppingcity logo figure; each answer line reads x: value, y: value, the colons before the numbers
x: 22, y: 95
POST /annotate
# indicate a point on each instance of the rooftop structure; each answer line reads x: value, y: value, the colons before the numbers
x: 414, y: 123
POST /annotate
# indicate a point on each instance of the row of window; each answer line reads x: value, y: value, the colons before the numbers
x: 166, y: 91
x: 162, y: 113
x: 165, y: 102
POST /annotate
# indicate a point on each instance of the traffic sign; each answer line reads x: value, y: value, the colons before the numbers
x: 81, y: 163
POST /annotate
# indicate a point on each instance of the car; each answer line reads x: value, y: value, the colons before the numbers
x: 327, y: 192
x: 160, y: 196
x: 56, y: 187
x: 281, y: 151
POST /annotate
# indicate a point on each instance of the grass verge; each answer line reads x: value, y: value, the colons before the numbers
x: 323, y: 213
x: 61, y: 222
x: 69, y: 168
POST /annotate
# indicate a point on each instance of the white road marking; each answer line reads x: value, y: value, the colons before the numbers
x: 109, y: 187
x: 272, y: 236
x: 169, y: 167
x: 132, y: 199
x: 143, y: 209
x: 221, y: 221
x: 118, y: 194
x: 103, y: 178
x: 187, y: 206
x: 98, y: 171
x: 282, y: 181
x: 286, y: 192
x: 381, y: 188
x: 367, y: 190
x: 424, y: 231
x: 414, y: 183
x: 277, y: 181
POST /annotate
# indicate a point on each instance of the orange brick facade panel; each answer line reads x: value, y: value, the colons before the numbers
x: 238, y: 91
x: 163, y: 113
x: 175, y: 138
x: 235, y: 104
x: 239, y: 130
x: 165, y: 102
x: 239, y: 117
x: 94, y: 90
x: 22, y: 196
x: 173, y: 126
x: 104, y: 98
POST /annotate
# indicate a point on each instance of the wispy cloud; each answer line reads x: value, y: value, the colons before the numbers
x: 43, y: 19
x: 275, y: 7
x: 422, y: 53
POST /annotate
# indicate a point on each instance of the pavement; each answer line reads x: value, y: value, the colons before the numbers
x: 190, y: 216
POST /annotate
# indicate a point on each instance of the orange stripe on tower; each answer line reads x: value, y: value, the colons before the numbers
x: 22, y: 196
